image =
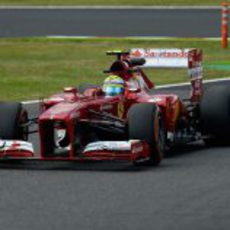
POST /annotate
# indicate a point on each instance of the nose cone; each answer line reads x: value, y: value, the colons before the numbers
x: 61, y: 111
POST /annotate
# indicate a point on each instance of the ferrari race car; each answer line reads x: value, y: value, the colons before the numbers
x: 138, y: 125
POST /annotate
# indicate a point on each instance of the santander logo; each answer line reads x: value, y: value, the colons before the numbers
x: 137, y: 53
x: 159, y: 53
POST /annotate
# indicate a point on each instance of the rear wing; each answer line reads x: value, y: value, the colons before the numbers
x: 176, y: 58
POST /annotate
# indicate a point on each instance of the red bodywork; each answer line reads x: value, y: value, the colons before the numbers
x: 71, y: 108
x: 71, y: 122
x: 78, y: 109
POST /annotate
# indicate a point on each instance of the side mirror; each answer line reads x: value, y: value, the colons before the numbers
x: 134, y: 90
x: 72, y: 90
x: 133, y: 87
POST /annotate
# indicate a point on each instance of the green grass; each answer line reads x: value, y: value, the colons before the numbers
x: 34, y: 68
x: 111, y: 2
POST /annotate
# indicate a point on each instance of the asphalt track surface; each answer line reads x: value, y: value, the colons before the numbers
x: 110, y: 22
x: 189, y: 190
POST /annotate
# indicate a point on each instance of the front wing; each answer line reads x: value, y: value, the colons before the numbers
x: 132, y: 151
x: 16, y: 149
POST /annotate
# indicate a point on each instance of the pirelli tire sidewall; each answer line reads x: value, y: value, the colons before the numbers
x: 145, y: 123
x: 12, y: 115
x: 215, y: 113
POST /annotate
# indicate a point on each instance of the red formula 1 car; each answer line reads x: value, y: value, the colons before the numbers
x: 136, y: 126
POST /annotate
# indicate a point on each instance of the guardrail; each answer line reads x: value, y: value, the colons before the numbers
x: 224, y: 24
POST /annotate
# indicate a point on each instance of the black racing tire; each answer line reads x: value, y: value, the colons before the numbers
x: 146, y: 123
x: 215, y: 115
x: 12, y: 115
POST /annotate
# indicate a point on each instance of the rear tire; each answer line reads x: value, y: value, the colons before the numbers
x: 145, y: 123
x: 215, y: 115
x: 12, y: 116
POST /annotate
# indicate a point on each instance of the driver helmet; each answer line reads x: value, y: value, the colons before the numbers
x: 113, y: 85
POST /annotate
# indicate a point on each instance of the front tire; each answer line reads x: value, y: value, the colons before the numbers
x: 12, y: 116
x: 145, y: 122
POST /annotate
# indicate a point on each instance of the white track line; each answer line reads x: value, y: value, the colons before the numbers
x: 188, y: 83
x: 157, y: 87
x: 132, y: 37
x: 104, y: 7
